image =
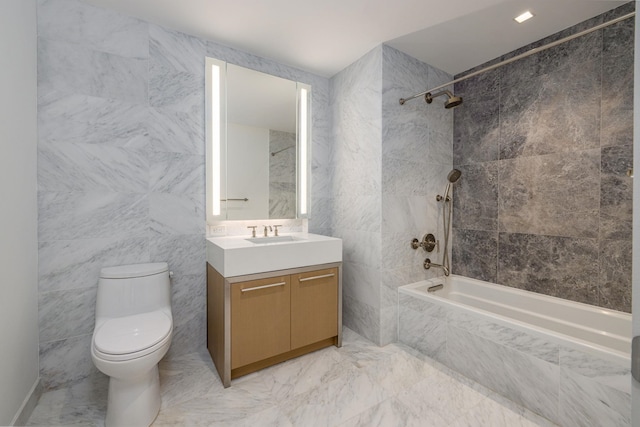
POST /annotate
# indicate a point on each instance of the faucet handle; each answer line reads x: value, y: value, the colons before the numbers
x: 253, y: 233
x: 276, y: 229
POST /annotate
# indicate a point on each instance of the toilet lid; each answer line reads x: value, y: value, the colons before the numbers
x: 131, y: 334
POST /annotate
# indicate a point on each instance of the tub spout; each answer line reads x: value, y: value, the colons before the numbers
x: 427, y: 264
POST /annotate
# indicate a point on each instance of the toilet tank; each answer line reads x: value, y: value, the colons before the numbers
x: 133, y: 289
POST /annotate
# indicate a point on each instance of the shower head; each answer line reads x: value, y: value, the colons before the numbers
x: 454, y: 175
x: 451, y: 102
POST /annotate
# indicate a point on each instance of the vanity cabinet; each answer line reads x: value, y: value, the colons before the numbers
x: 314, y: 307
x: 259, y: 320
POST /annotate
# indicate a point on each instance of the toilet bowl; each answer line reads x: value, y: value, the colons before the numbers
x: 133, y: 331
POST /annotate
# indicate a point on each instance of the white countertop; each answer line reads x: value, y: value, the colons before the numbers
x: 236, y: 256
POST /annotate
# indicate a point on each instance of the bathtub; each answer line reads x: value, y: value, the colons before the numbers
x: 566, y: 361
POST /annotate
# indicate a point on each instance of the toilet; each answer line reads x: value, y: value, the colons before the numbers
x: 133, y: 332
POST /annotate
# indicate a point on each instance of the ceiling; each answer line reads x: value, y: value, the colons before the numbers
x: 325, y: 36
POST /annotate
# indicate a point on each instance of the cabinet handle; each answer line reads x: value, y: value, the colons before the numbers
x: 306, y: 279
x: 264, y: 287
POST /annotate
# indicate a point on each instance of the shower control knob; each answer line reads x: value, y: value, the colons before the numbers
x: 428, y: 242
x: 415, y: 243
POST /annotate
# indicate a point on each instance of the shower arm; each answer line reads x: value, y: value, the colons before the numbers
x: 522, y: 55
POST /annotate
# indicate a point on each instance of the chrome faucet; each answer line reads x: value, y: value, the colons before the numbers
x: 427, y: 264
x: 266, y: 233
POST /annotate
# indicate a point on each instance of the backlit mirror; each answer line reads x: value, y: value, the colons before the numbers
x: 258, y: 137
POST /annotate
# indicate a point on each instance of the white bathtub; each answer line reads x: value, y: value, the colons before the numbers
x: 566, y: 361
x: 582, y: 325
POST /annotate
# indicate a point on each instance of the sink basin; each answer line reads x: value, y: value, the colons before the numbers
x: 238, y: 255
x: 274, y: 239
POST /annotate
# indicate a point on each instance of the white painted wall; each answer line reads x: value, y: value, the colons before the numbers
x: 18, y: 207
x: 248, y: 152
x: 635, y: 297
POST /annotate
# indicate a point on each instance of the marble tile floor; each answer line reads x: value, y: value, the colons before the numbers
x: 359, y: 384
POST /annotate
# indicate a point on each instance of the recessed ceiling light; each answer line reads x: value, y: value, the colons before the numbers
x: 520, y: 19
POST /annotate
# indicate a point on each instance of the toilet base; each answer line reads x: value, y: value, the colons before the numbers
x: 134, y: 401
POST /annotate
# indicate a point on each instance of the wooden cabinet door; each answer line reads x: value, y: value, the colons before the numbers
x: 260, y: 319
x: 314, y: 307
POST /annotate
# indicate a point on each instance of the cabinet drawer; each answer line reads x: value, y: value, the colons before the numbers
x: 260, y: 319
x: 314, y: 306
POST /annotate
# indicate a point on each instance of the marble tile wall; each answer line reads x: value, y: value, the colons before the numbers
x: 544, y: 144
x: 416, y: 158
x: 389, y: 163
x: 355, y: 102
x: 121, y: 168
x: 565, y: 385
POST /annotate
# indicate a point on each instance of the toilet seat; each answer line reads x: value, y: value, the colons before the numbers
x: 130, y: 337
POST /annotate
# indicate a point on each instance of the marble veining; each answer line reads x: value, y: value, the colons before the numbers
x: 614, y: 286
x: 616, y: 192
x: 475, y: 198
x: 76, y: 263
x: 422, y: 332
x: 608, y: 373
x: 176, y: 213
x: 77, y: 69
x: 172, y: 131
x: 65, y: 362
x: 562, y: 266
x: 528, y: 381
x: 536, y: 346
x: 175, y: 51
x: 565, y: 385
x: 544, y: 144
x: 588, y: 403
x: 550, y: 195
x: 79, y: 118
x: 185, y: 253
x: 475, y: 254
x: 96, y: 214
x: 86, y: 167
x: 121, y: 179
x: 176, y: 173
x: 66, y: 313
x: 359, y: 384
x: 78, y: 22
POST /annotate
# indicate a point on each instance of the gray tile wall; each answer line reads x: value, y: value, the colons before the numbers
x: 544, y: 144
x: 121, y: 168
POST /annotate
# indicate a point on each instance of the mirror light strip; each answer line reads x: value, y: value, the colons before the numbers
x: 303, y: 150
x: 215, y: 138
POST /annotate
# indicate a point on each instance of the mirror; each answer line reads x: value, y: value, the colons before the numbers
x: 257, y: 144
